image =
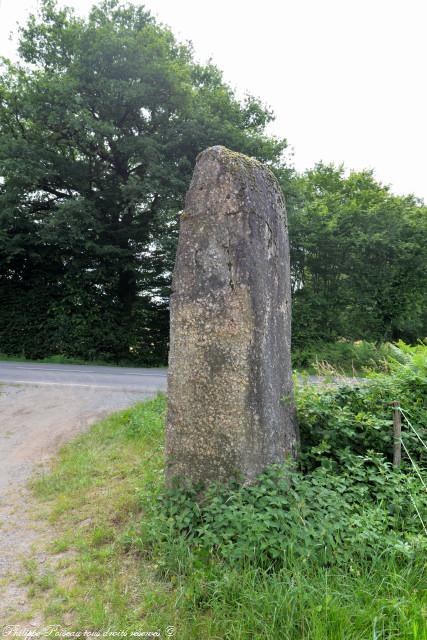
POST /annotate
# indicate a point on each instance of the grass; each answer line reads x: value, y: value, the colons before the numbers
x: 94, y: 504
x: 60, y: 359
x: 101, y: 497
x: 348, y: 358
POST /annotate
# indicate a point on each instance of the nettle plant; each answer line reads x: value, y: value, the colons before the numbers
x: 340, y: 502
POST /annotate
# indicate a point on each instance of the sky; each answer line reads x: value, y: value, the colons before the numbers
x: 345, y: 78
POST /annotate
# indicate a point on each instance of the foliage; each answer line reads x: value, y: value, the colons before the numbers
x: 58, y: 359
x: 343, y: 356
x: 338, y: 551
x: 100, y: 124
x: 358, y: 259
x: 343, y: 501
x: 355, y: 419
x: 324, y: 517
x: 101, y: 121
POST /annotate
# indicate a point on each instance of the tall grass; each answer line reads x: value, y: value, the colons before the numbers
x: 349, y: 358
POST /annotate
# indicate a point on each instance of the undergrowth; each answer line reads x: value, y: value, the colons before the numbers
x: 330, y: 547
x: 61, y: 359
x: 344, y: 356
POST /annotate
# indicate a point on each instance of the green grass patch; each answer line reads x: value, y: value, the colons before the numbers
x: 61, y: 359
x: 331, y: 548
x: 346, y: 357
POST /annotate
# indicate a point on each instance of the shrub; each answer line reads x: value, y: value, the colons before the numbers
x: 341, y: 502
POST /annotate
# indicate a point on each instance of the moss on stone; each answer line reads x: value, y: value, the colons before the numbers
x: 244, y: 167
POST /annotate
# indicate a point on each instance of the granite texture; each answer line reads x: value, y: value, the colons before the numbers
x: 230, y: 408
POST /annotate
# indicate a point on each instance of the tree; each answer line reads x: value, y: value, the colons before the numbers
x: 101, y: 121
x: 359, y: 258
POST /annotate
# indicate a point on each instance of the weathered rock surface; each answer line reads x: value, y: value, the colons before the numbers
x: 230, y: 387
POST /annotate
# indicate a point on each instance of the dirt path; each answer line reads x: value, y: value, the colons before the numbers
x: 34, y: 423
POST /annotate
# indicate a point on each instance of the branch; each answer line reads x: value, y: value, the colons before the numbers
x: 55, y: 192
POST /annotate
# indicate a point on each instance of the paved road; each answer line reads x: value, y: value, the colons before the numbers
x: 68, y: 375
x: 116, y: 378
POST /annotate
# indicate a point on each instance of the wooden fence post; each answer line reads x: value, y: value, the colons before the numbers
x: 397, y: 430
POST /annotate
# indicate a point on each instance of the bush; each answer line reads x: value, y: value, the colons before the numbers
x: 341, y: 501
x: 328, y: 518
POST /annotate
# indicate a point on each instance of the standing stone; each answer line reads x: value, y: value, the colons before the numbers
x: 230, y: 410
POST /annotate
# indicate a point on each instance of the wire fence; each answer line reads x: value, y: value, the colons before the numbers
x: 398, y: 414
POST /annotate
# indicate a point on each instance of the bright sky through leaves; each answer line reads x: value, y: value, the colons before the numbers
x: 345, y: 79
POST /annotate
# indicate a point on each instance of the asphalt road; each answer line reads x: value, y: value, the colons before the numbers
x: 69, y: 375
x: 116, y: 378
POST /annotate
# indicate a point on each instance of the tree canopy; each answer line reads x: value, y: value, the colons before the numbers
x: 359, y: 258
x: 101, y: 121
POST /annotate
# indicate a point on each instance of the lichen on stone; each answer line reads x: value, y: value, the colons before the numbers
x: 229, y: 361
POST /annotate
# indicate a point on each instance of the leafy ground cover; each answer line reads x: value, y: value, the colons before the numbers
x: 332, y: 547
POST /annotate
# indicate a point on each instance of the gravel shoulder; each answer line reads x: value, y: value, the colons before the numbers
x: 35, y: 421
